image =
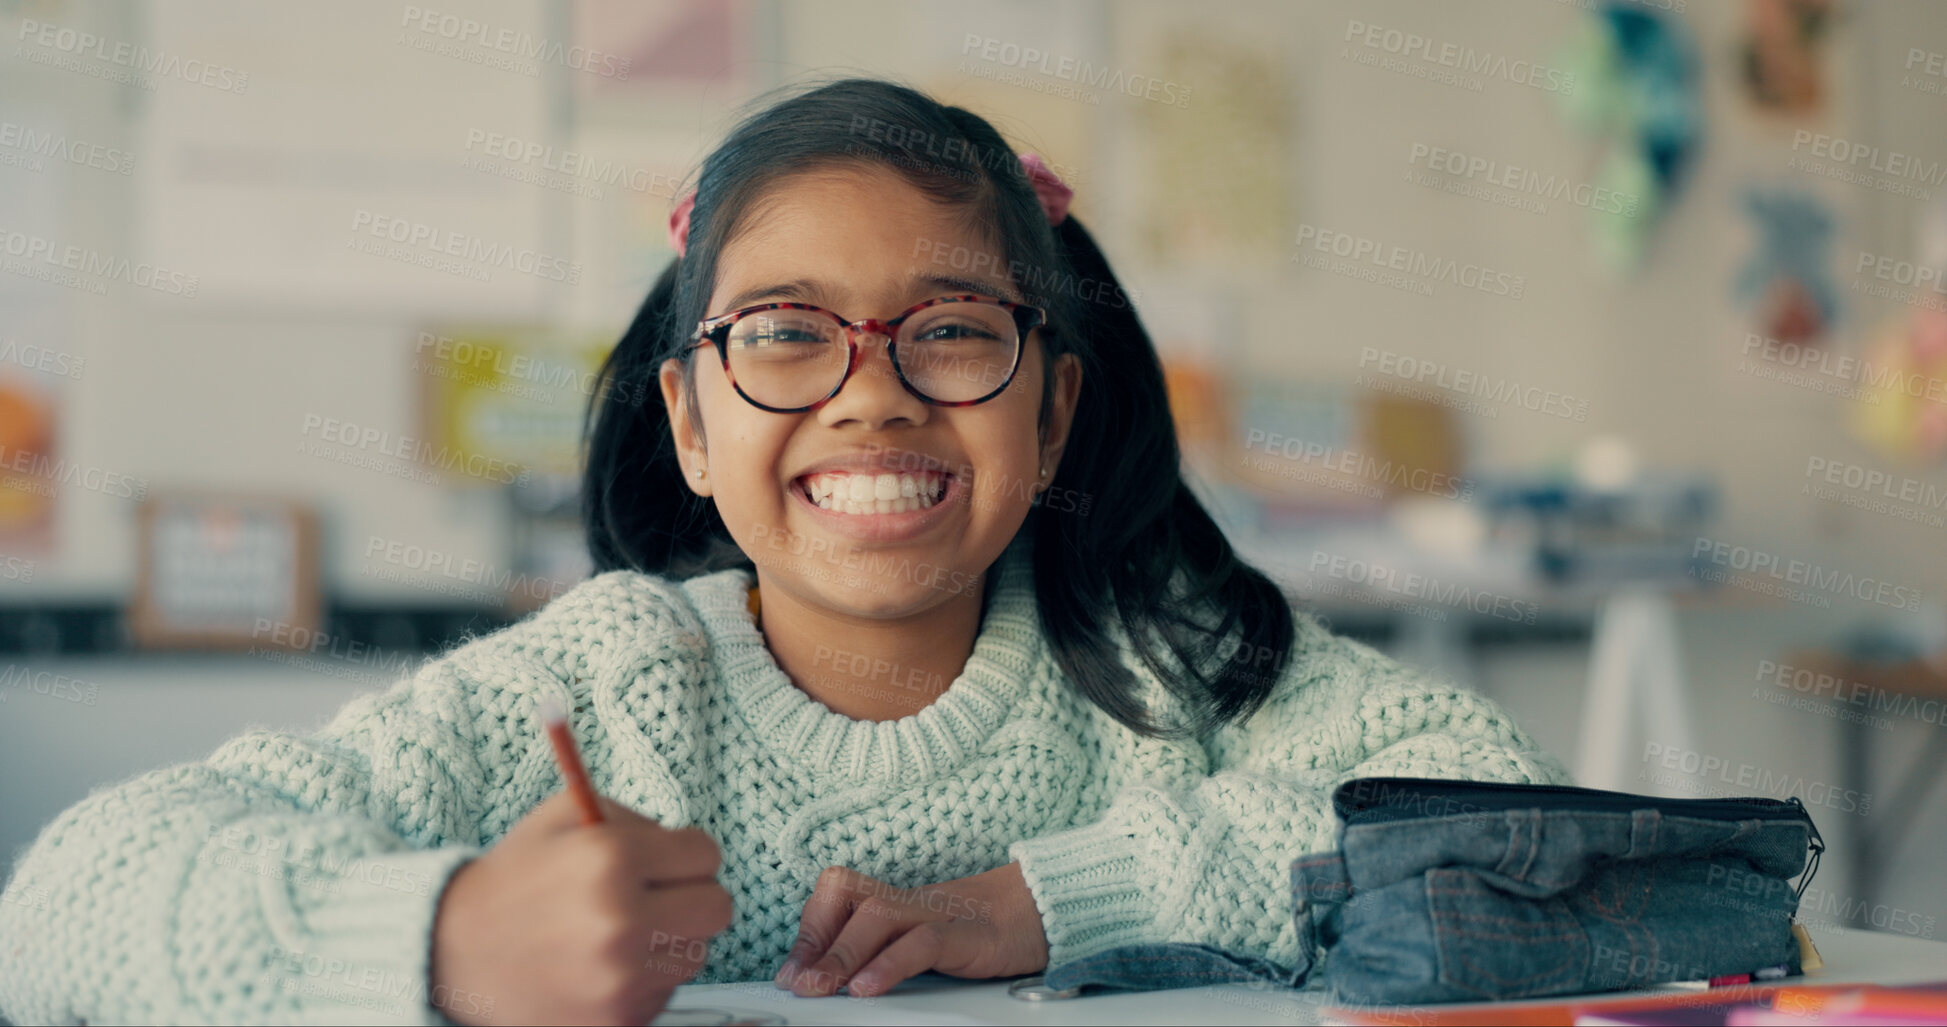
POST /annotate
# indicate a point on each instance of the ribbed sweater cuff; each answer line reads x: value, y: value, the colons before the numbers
x: 1089, y: 885
x: 369, y: 941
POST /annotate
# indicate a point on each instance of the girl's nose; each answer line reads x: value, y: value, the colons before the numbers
x: 873, y: 393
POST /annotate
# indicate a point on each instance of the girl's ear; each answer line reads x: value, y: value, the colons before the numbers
x: 690, y: 453
x: 1068, y: 389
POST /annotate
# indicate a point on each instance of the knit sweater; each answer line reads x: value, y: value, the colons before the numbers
x: 296, y: 877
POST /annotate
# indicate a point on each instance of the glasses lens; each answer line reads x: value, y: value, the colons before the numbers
x: 787, y: 358
x: 955, y: 352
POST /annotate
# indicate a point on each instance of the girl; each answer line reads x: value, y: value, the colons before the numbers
x: 910, y: 650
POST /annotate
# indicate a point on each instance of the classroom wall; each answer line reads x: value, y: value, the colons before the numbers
x: 211, y: 394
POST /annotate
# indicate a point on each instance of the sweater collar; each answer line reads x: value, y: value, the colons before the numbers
x: 936, y: 740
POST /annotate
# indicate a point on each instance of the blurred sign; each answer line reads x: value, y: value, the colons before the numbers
x: 226, y: 572
x: 511, y: 394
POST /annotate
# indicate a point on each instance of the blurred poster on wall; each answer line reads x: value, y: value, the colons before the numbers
x: 38, y: 356
x: 1217, y: 115
x: 681, y: 43
x: 508, y: 398
x: 305, y: 170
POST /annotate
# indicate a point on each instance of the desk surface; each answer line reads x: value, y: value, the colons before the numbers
x: 1861, y: 957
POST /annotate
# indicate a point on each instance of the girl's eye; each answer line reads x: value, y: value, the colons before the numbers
x: 950, y: 331
x: 762, y: 332
x: 782, y: 335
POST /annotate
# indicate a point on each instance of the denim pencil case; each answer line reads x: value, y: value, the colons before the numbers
x: 1452, y: 891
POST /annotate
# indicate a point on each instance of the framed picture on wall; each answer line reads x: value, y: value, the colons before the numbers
x: 226, y: 572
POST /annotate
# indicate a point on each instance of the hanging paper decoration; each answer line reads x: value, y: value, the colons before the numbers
x: 1782, y: 55
x: 1787, y: 280
x: 1637, y: 88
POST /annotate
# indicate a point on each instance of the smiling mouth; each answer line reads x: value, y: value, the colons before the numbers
x: 859, y: 494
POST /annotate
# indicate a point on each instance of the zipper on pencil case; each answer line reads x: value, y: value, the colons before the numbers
x: 1483, y: 796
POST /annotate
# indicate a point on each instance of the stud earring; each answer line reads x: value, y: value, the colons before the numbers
x: 699, y: 472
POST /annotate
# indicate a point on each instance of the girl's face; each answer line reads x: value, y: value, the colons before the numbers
x: 861, y: 243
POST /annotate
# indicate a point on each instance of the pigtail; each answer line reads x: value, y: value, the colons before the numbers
x: 1210, y: 627
x: 638, y: 512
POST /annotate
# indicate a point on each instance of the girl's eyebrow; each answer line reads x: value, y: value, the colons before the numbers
x: 951, y: 284
x: 806, y: 291
x: 801, y: 290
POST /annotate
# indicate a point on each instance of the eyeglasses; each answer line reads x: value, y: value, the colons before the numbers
x: 952, y: 351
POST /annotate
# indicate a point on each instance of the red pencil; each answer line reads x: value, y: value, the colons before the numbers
x: 555, y: 716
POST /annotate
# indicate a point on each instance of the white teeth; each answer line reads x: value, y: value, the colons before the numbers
x: 874, y: 493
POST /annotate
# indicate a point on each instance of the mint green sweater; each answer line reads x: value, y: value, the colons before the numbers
x: 296, y: 877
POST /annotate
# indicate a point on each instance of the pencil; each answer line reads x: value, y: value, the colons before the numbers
x: 555, y: 716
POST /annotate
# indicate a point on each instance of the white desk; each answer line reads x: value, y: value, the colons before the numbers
x: 1862, y: 957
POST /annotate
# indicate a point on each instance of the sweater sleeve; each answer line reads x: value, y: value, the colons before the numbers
x: 1207, y: 861
x: 290, y: 878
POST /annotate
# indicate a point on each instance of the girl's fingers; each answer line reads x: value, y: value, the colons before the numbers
x: 864, y: 935
x: 915, y: 952
x: 825, y: 913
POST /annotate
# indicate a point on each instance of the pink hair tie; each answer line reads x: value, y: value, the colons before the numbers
x: 679, y: 223
x: 1053, y: 193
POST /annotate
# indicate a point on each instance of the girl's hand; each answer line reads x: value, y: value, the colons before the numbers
x: 865, y: 934
x: 569, y: 923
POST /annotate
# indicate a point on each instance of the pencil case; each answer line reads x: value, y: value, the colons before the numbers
x: 1444, y: 891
